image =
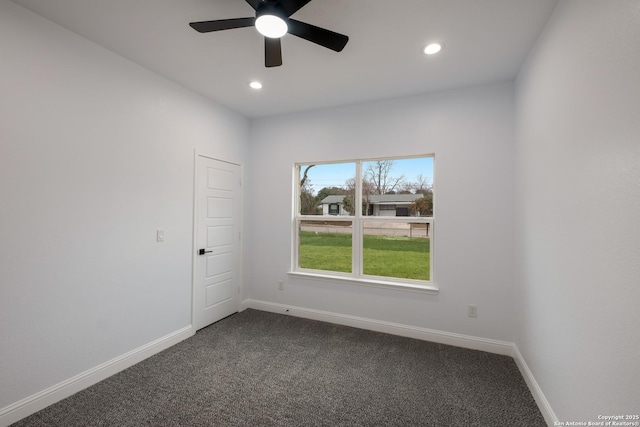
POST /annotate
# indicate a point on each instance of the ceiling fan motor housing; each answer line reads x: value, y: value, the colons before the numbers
x: 271, y: 8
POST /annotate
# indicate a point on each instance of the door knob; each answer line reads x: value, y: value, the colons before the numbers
x: 202, y: 252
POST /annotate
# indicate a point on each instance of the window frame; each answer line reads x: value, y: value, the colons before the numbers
x: 357, y: 276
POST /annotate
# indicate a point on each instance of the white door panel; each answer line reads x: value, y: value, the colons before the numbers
x: 221, y: 235
x: 217, y: 271
x: 219, y: 207
x: 220, y: 179
x: 219, y: 293
x: 219, y: 264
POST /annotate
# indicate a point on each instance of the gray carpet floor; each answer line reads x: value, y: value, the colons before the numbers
x: 263, y: 369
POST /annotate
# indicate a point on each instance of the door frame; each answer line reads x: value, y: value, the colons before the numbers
x: 194, y: 237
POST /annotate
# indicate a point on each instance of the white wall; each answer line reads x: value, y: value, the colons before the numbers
x: 471, y: 133
x: 95, y: 154
x: 578, y: 210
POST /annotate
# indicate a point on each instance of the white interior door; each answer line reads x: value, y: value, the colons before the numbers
x: 217, y: 266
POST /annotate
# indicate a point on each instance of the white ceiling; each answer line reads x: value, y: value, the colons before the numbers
x: 485, y: 41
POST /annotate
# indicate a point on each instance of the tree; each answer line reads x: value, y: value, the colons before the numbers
x: 421, y: 186
x: 424, y: 205
x: 349, y: 204
x: 378, y: 173
x: 349, y: 198
x: 349, y: 201
x: 308, y: 202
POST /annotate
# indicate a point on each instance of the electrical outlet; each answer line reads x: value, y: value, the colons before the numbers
x: 472, y: 310
x: 280, y: 285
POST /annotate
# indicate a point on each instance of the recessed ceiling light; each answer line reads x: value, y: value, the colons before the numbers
x: 432, y: 48
x: 255, y: 85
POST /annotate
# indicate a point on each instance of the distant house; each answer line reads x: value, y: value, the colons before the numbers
x: 379, y: 205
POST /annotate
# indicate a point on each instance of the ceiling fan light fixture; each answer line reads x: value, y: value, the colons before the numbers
x: 432, y: 48
x: 272, y: 22
x: 271, y: 26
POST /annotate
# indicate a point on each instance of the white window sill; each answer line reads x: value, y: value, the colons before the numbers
x: 400, y: 286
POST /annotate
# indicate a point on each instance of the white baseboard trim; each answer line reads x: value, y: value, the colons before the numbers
x: 536, y: 391
x: 53, y: 394
x: 459, y: 340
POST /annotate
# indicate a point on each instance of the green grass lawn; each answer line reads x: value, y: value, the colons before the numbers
x: 385, y: 256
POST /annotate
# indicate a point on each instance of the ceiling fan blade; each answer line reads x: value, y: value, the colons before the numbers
x: 254, y: 3
x: 317, y: 35
x: 222, y: 24
x: 272, y: 52
x: 292, y: 6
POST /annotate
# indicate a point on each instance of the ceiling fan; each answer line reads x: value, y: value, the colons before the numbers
x: 273, y: 21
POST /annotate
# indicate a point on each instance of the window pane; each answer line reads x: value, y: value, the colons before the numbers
x: 325, y: 245
x: 396, y: 249
x: 327, y: 189
x: 397, y: 187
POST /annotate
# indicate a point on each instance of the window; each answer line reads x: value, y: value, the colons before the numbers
x: 365, y: 220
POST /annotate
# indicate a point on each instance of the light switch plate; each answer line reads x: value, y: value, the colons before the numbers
x: 472, y: 310
x: 160, y: 235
